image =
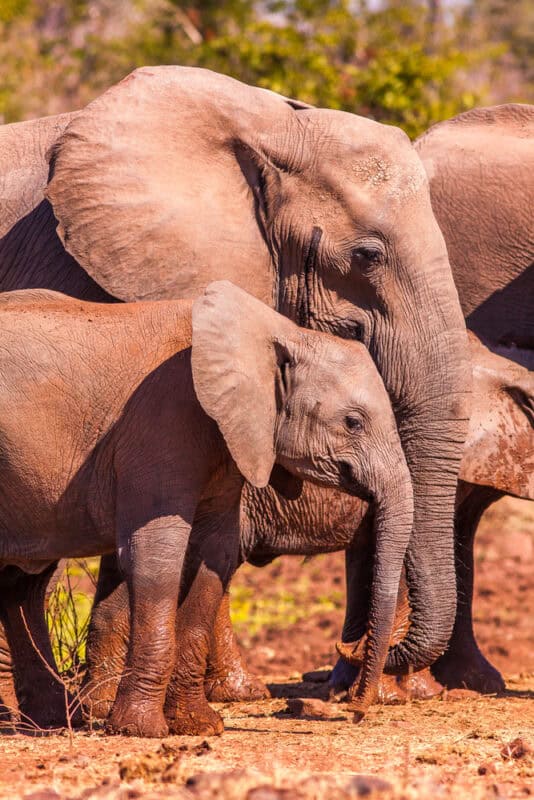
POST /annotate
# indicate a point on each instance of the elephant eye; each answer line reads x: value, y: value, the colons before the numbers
x: 353, y: 423
x: 367, y: 257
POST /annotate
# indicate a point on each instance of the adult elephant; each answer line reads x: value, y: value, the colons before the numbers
x: 480, y: 166
x: 176, y: 177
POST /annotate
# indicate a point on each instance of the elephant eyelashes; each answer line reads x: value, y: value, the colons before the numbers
x: 354, y: 424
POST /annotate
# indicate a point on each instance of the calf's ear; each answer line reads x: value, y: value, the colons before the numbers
x: 235, y: 362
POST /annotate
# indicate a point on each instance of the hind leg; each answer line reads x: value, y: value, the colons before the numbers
x: 107, y: 639
x: 40, y: 694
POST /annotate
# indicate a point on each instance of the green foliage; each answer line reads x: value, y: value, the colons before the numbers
x: 69, y: 611
x: 278, y: 606
x: 408, y: 63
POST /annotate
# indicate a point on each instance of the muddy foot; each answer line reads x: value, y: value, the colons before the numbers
x: 392, y: 689
x: 420, y: 686
x: 199, y: 720
x: 469, y: 672
x: 236, y: 688
x: 97, y: 709
x: 137, y: 721
x: 98, y: 698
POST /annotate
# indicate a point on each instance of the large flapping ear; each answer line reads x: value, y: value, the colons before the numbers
x: 235, y: 362
x: 154, y: 183
x: 499, y: 450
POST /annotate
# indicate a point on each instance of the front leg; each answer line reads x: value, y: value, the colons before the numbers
x: 211, y: 562
x: 151, y: 559
x: 358, y: 576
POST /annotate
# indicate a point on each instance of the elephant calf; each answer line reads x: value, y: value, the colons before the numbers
x: 498, y: 458
x: 133, y: 427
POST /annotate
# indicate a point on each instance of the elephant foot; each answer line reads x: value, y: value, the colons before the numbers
x: 392, y: 689
x: 420, y: 685
x: 197, y: 720
x: 468, y: 671
x: 400, y: 689
x: 97, y: 709
x: 97, y: 698
x: 137, y: 720
x: 238, y: 687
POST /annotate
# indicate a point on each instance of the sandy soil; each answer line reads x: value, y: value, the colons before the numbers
x: 460, y: 745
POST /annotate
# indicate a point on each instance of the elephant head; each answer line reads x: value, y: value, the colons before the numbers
x: 317, y: 406
x: 177, y: 177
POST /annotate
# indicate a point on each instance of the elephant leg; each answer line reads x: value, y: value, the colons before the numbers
x: 463, y: 665
x: 107, y: 639
x: 227, y: 678
x: 358, y: 578
x: 41, y: 695
x: 151, y: 558
x: 211, y: 562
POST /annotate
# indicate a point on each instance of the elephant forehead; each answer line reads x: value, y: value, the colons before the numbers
x: 364, y: 152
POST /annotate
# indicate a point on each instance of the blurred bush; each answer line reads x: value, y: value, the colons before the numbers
x: 405, y: 62
x: 69, y: 611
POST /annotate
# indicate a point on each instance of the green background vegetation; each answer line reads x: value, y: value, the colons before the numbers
x: 405, y: 62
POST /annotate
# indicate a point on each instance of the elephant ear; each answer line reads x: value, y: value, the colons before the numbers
x: 155, y: 184
x: 236, y: 349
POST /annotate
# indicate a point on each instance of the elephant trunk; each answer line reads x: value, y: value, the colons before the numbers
x: 429, y: 382
x: 430, y: 568
x: 433, y: 431
x: 393, y: 520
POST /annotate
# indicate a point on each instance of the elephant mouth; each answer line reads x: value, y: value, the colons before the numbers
x: 351, y: 485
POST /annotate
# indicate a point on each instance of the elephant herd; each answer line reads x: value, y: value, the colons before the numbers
x: 233, y: 326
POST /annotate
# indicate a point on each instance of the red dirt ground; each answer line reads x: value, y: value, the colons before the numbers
x: 459, y: 746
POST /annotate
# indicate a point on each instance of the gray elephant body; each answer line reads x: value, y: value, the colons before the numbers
x: 25, y: 146
x: 479, y: 166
